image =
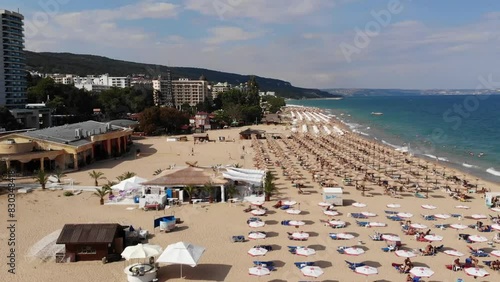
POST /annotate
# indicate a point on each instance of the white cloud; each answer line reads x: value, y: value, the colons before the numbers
x: 224, y: 34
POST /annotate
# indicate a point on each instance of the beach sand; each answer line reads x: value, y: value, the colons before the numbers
x: 41, y: 213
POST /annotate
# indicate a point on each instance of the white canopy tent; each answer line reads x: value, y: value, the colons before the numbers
x: 253, y: 177
x: 129, y: 183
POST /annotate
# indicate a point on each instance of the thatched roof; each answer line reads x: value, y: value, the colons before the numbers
x: 186, y: 176
x: 96, y: 233
x: 250, y: 131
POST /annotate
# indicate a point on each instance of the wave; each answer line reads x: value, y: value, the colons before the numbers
x: 403, y: 149
x: 493, y: 171
x: 438, y: 158
x: 360, y: 132
x: 469, y: 165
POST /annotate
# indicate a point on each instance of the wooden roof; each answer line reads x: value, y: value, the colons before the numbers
x: 96, y: 233
x: 185, y: 176
x: 250, y: 131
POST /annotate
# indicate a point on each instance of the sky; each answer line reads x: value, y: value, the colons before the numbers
x: 424, y: 44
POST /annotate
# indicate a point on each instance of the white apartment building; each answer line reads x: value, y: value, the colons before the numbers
x: 92, y: 82
x: 220, y: 88
x: 268, y: 93
x: 184, y: 91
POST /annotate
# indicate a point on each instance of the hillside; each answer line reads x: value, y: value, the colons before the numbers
x: 89, y: 64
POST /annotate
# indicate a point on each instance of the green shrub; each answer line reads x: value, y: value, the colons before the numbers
x: 68, y: 193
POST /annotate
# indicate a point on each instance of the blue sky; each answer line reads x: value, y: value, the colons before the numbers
x: 311, y: 43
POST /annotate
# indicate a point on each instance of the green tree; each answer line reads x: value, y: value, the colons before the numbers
x: 150, y: 120
x: 7, y: 120
x: 41, y: 178
x: 208, y: 189
x: 269, y: 186
x: 108, y: 186
x: 172, y: 120
x: 231, y: 190
x: 274, y: 103
x: 190, y: 191
x: 101, y: 193
x: 96, y: 176
x: 58, y: 174
x: 125, y: 175
x: 253, y: 97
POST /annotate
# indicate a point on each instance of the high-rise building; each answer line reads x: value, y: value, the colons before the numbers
x: 13, y: 82
x: 175, y: 93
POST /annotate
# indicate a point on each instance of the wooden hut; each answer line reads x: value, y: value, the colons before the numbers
x: 247, y: 134
x: 86, y: 242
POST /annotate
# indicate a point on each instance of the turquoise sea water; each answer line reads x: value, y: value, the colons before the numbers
x: 453, y: 130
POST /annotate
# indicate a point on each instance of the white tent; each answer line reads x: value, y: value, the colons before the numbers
x: 181, y: 253
x: 254, y: 177
x: 129, y: 183
x: 141, y: 251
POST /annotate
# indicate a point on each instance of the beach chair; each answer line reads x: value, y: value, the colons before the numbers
x: 333, y: 236
x: 456, y: 215
x: 239, y: 238
x: 420, y: 196
x: 353, y: 265
x: 376, y: 237
x: 480, y: 254
x: 441, y: 226
x: 340, y: 249
x: 394, y: 218
x: 463, y: 236
x: 267, y: 247
x: 358, y: 215
x: 416, y: 279
x: 300, y: 265
x: 488, y: 229
x: 428, y: 217
x: 263, y: 263
x: 285, y: 222
x: 362, y: 223
x: 398, y: 266
x: 284, y: 207
x: 487, y: 262
x: 391, y: 212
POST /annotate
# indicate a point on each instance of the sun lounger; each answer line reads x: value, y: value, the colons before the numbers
x: 391, y: 212
x: 480, y: 254
x: 263, y: 263
x: 456, y: 215
x: 418, y: 195
x: 353, y: 265
x: 284, y: 207
x: 398, y: 266
x: 394, y: 218
x: 285, y: 222
x: 239, y: 238
x: 267, y: 247
x: 358, y: 215
x: 362, y: 223
x: 441, y: 226
x: 341, y: 249
x: 300, y: 265
x: 428, y: 217
x: 463, y: 236
x: 488, y: 229
x: 487, y: 262
x: 416, y: 279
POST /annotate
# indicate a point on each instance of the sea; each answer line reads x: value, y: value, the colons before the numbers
x: 459, y: 131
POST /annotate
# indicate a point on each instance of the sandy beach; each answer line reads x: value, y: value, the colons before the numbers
x: 42, y: 213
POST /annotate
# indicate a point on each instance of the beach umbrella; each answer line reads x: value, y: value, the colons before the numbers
x: 418, y: 226
x: 495, y: 253
x: 312, y: 271
x: 442, y: 216
x: 429, y: 207
x: 359, y: 205
x: 296, y: 223
x: 293, y: 211
x: 393, y: 206
x: 141, y: 251
x: 479, y: 216
x: 476, y: 272
x: 256, y: 224
x: 495, y: 209
x: 254, y: 252
x: 422, y: 271
x: 353, y: 251
x: 454, y: 253
x: 345, y: 236
x: 324, y: 204
x: 300, y: 235
x: 256, y: 235
x: 289, y: 203
x: 181, y: 253
x: 258, y: 212
x: 366, y: 270
x: 259, y: 271
x: 336, y: 222
x: 301, y: 251
x: 369, y: 214
x: 496, y: 226
x: 377, y: 224
x: 477, y: 238
x: 390, y: 237
x: 459, y: 226
x: 433, y: 238
x: 405, y: 254
x: 405, y: 215
x: 257, y: 203
x: 331, y: 213
x: 129, y: 183
x: 462, y: 207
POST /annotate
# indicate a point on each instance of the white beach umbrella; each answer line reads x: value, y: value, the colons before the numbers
x: 418, y: 226
x: 454, y: 253
x: 312, y: 271
x: 476, y: 272
x: 289, y: 203
x: 336, y: 222
x: 293, y: 211
x: 405, y: 254
x: 296, y: 223
x: 405, y: 215
x: 495, y: 209
x: 393, y: 206
x: 390, y: 237
x: 257, y: 203
x: 462, y: 207
x: 429, y: 207
x: 258, y: 212
x: 300, y: 235
x: 433, y: 238
x: 256, y: 224
x: 345, y: 236
x: 129, y: 183
x: 353, y: 251
x: 324, y: 204
x: 359, y: 205
x: 141, y: 251
x: 257, y: 252
x: 422, y: 271
x: 496, y: 226
x: 477, y: 238
x: 442, y: 216
x: 181, y: 253
x: 377, y: 224
x: 331, y: 213
x: 259, y: 271
x: 256, y: 235
x: 479, y: 216
x: 366, y: 270
x: 459, y: 226
x: 301, y: 251
x: 495, y: 253
x: 369, y: 214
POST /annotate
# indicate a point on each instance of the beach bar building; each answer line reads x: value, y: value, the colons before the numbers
x: 84, y: 242
x: 333, y: 196
x: 247, y: 134
x: 66, y: 147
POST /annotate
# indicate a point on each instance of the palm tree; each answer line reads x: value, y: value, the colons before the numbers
x: 125, y: 175
x: 58, y: 174
x: 208, y: 189
x: 269, y: 186
x: 189, y: 190
x: 96, y: 175
x: 231, y: 190
x: 101, y: 193
x: 237, y: 165
x: 42, y: 178
x: 108, y: 186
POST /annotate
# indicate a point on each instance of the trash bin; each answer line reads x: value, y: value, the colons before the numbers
x: 136, y: 199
